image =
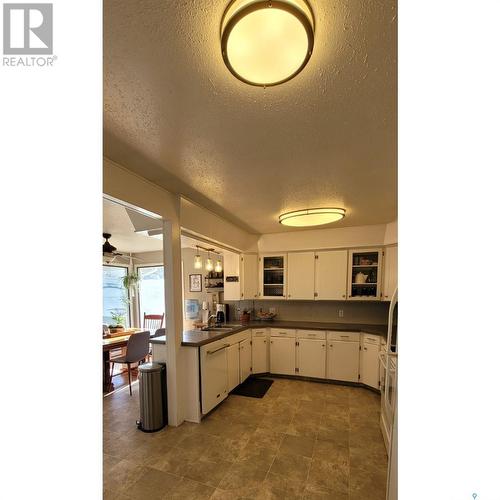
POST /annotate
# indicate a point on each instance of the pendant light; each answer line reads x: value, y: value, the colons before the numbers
x: 198, y: 263
x: 218, y: 265
x: 209, y: 265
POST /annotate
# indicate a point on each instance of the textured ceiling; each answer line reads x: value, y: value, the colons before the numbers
x: 174, y: 113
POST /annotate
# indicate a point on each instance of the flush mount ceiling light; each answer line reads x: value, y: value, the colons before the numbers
x: 312, y: 217
x: 268, y: 42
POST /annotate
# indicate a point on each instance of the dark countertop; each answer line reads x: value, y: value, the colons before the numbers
x: 197, y: 338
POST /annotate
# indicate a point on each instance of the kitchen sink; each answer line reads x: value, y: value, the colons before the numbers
x: 225, y: 328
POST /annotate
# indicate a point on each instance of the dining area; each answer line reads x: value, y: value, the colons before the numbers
x: 124, y: 349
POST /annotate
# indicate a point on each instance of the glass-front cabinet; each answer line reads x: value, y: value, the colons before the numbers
x: 272, y: 276
x: 365, y: 274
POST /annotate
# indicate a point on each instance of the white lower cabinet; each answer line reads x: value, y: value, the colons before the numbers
x: 311, y: 357
x: 245, y: 359
x: 213, y: 367
x: 260, y: 355
x: 282, y: 355
x: 343, y: 361
x: 369, y: 361
x: 233, y: 366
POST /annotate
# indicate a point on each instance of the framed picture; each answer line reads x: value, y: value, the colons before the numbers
x: 192, y: 308
x: 195, y: 282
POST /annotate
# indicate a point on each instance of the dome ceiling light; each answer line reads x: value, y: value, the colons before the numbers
x: 266, y: 43
x: 312, y: 217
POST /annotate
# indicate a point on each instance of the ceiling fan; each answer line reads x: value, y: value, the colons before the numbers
x: 110, y: 253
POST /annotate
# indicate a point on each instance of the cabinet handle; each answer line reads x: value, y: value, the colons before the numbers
x: 331, y: 345
x: 264, y: 341
x: 217, y: 350
x: 364, y: 348
x: 271, y: 341
x: 343, y: 296
x: 322, y: 345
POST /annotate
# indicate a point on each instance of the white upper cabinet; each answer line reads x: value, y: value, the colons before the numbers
x: 390, y: 272
x: 250, y: 276
x: 240, y: 276
x: 272, y: 276
x: 331, y: 275
x: 301, y: 276
x: 365, y: 274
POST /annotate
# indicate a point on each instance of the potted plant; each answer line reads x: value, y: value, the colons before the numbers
x: 118, y: 317
x: 130, y: 281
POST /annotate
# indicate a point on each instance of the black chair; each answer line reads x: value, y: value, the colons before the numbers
x: 137, y: 350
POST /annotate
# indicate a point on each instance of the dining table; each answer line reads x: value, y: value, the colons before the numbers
x: 110, y: 342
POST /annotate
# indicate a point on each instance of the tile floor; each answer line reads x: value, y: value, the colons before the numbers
x: 302, y: 440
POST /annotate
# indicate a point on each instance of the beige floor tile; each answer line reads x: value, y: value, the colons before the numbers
x: 300, y: 426
x: 295, y: 467
x: 243, y: 479
x: 266, y: 438
x: 205, y: 472
x: 122, y: 475
x: 315, y: 493
x: 154, y: 485
x: 330, y: 476
x: 287, y: 486
x: 257, y: 456
x: 297, y: 445
x: 329, y: 451
x: 190, y: 490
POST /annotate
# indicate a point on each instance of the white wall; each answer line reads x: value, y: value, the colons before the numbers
x: 391, y: 233
x: 312, y: 239
x: 202, y: 222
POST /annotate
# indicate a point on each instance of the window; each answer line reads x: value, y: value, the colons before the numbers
x: 115, y: 296
x: 151, y: 290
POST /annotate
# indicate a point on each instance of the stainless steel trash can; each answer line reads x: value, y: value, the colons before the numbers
x: 153, y: 397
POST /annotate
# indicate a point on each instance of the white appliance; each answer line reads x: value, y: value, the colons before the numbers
x: 388, y: 386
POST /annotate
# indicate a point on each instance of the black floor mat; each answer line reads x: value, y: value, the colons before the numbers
x: 253, y: 387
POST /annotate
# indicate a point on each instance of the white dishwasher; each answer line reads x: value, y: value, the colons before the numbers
x: 213, y: 368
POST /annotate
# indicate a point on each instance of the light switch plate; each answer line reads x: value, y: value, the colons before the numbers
x: 272, y: 310
x: 341, y: 313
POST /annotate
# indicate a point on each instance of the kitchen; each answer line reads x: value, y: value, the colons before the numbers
x: 277, y: 199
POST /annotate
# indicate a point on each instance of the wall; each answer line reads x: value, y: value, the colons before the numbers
x: 354, y: 312
x: 200, y: 221
x: 188, y: 266
x: 315, y: 239
x: 391, y: 233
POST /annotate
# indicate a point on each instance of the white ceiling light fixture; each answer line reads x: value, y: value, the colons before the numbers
x: 266, y: 43
x: 312, y: 217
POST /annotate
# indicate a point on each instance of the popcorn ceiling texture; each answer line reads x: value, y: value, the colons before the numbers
x: 174, y: 114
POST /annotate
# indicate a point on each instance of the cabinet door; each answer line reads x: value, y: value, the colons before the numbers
x: 250, y: 273
x: 390, y: 272
x: 233, y: 366
x: 282, y: 355
x: 331, y: 275
x: 272, y: 276
x: 245, y: 360
x: 369, y: 365
x: 232, y: 288
x: 259, y: 355
x: 343, y: 361
x: 311, y: 358
x: 301, y: 276
x: 213, y: 360
x: 365, y: 274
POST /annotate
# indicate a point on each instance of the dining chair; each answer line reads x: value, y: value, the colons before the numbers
x: 137, y: 351
x: 153, y: 321
x: 159, y: 332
